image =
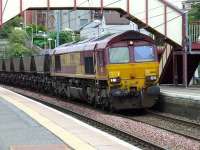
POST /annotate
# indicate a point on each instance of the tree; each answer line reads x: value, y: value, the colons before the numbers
x: 19, y: 39
x: 65, y: 37
x: 194, y: 14
x: 8, y: 27
x: 18, y: 50
x: 17, y: 36
x: 35, y: 28
x: 17, y: 44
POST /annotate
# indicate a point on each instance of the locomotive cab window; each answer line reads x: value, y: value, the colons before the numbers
x: 89, y: 65
x: 119, y: 55
x: 144, y: 53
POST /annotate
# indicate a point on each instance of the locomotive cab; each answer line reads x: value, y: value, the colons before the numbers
x: 133, y: 73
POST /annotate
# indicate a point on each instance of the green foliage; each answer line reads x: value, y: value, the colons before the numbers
x: 194, y: 14
x: 17, y: 36
x: 77, y: 37
x: 18, y: 50
x: 40, y: 41
x: 35, y: 29
x: 65, y: 37
x: 17, y: 41
x: 8, y: 27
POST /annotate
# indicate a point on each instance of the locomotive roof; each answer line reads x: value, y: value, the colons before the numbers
x: 101, y: 42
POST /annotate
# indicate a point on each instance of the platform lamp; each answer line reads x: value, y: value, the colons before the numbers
x: 98, y: 23
x: 44, y: 35
x: 31, y: 34
x: 49, y: 40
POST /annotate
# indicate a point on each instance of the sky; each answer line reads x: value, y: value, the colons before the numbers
x: 176, y: 2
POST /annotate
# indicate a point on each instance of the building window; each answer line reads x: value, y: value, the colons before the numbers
x: 83, y: 22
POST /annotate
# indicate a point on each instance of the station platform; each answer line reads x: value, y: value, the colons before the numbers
x: 190, y: 93
x: 29, y: 125
x: 180, y: 101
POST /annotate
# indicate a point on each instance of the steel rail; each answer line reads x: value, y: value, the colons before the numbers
x: 175, y: 121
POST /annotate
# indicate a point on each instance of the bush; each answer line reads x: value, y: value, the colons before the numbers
x: 17, y: 36
x: 17, y: 42
x: 194, y: 14
x: 8, y: 27
x: 18, y: 50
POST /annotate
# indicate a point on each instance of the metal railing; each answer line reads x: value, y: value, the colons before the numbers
x: 194, y: 32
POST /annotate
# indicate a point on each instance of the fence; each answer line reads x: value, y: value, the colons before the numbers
x: 194, y: 32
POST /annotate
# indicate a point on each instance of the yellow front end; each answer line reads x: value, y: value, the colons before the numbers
x: 133, y: 75
x: 134, y: 84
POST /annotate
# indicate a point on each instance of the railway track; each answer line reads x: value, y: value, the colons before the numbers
x: 141, y: 143
x: 189, y: 129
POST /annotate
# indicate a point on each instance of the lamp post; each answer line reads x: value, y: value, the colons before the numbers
x: 31, y: 35
x: 50, y: 39
x: 44, y: 35
x: 55, y: 43
x: 98, y: 22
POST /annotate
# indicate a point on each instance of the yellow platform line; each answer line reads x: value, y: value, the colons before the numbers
x: 66, y: 137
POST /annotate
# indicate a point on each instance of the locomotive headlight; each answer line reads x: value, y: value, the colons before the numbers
x: 115, y: 80
x: 151, y: 78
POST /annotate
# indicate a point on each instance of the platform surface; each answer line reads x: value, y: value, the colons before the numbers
x: 25, y: 123
x: 192, y: 93
x: 184, y: 102
x: 17, y: 128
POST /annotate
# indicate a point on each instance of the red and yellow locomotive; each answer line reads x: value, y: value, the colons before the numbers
x: 117, y: 71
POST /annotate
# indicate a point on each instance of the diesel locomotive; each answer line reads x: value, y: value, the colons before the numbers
x: 115, y: 71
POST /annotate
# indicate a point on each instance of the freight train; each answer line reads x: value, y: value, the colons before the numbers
x: 115, y: 71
